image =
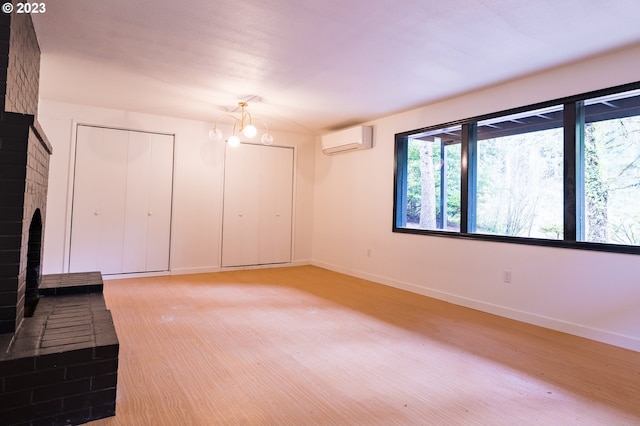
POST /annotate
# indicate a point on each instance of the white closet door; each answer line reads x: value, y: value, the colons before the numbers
x: 276, y: 185
x: 241, y: 206
x: 112, y: 204
x: 98, y: 201
x: 159, y: 207
x: 137, y: 202
x: 122, y: 201
x: 86, y: 201
x: 258, y: 199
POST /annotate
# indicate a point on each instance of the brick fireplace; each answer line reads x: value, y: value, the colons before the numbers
x: 58, y: 346
x: 24, y: 163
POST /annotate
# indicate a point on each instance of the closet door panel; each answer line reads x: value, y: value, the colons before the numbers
x: 137, y: 201
x: 112, y: 203
x: 275, y: 205
x: 159, y: 208
x: 98, y: 200
x: 86, y: 201
x: 241, y: 206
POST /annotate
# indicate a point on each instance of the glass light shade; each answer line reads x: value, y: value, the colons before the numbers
x: 215, y: 134
x: 267, y: 139
x: 249, y: 130
x: 234, y: 141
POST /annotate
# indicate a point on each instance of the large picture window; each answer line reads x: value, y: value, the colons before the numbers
x: 561, y: 173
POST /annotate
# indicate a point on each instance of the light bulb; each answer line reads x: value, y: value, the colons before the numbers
x: 234, y: 141
x: 267, y: 139
x: 249, y: 131
x: 215, y: 134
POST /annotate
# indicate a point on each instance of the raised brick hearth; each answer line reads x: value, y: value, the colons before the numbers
x: 61, y: 367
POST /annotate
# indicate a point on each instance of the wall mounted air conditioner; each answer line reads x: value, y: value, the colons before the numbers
x: 351, y: 139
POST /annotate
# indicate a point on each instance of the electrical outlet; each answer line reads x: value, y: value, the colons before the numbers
x: 506, y: 276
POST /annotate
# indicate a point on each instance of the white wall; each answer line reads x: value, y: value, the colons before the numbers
x: 197, y: 195
x: 592, y: 294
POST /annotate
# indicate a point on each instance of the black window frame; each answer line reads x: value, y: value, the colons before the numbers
x: 573, y: 176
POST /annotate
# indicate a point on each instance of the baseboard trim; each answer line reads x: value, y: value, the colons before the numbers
x: 265, y: 266
x: 210, y: 269
x: 197, y: 270
x: 135, y: 275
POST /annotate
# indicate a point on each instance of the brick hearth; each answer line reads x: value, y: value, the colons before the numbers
x: 61, y: 366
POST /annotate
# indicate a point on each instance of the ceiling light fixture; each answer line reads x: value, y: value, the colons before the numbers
x: 245, y: 125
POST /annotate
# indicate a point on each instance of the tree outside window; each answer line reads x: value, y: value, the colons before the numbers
x: 612, y: 169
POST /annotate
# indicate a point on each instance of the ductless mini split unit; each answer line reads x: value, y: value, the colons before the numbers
x: 347, y: 140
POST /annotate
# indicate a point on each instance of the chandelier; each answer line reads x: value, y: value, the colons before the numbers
x: 244, y: 126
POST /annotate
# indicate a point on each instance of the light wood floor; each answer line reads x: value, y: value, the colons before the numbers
x: 305, y: 346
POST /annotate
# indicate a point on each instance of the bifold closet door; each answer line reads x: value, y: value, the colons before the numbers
x: 148, y: 203
x: 97, y: 222
x: 121, y: 215
x: 258, y: 201
x: 276, y: 196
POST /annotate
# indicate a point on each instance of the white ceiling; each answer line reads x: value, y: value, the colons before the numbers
x: 308, y: 66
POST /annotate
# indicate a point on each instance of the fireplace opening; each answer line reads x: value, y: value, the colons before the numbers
x: 34, y: 250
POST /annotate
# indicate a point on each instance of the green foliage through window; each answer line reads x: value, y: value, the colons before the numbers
x: 433, y: 180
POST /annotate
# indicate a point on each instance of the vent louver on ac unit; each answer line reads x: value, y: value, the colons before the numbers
x: 351, y: 139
